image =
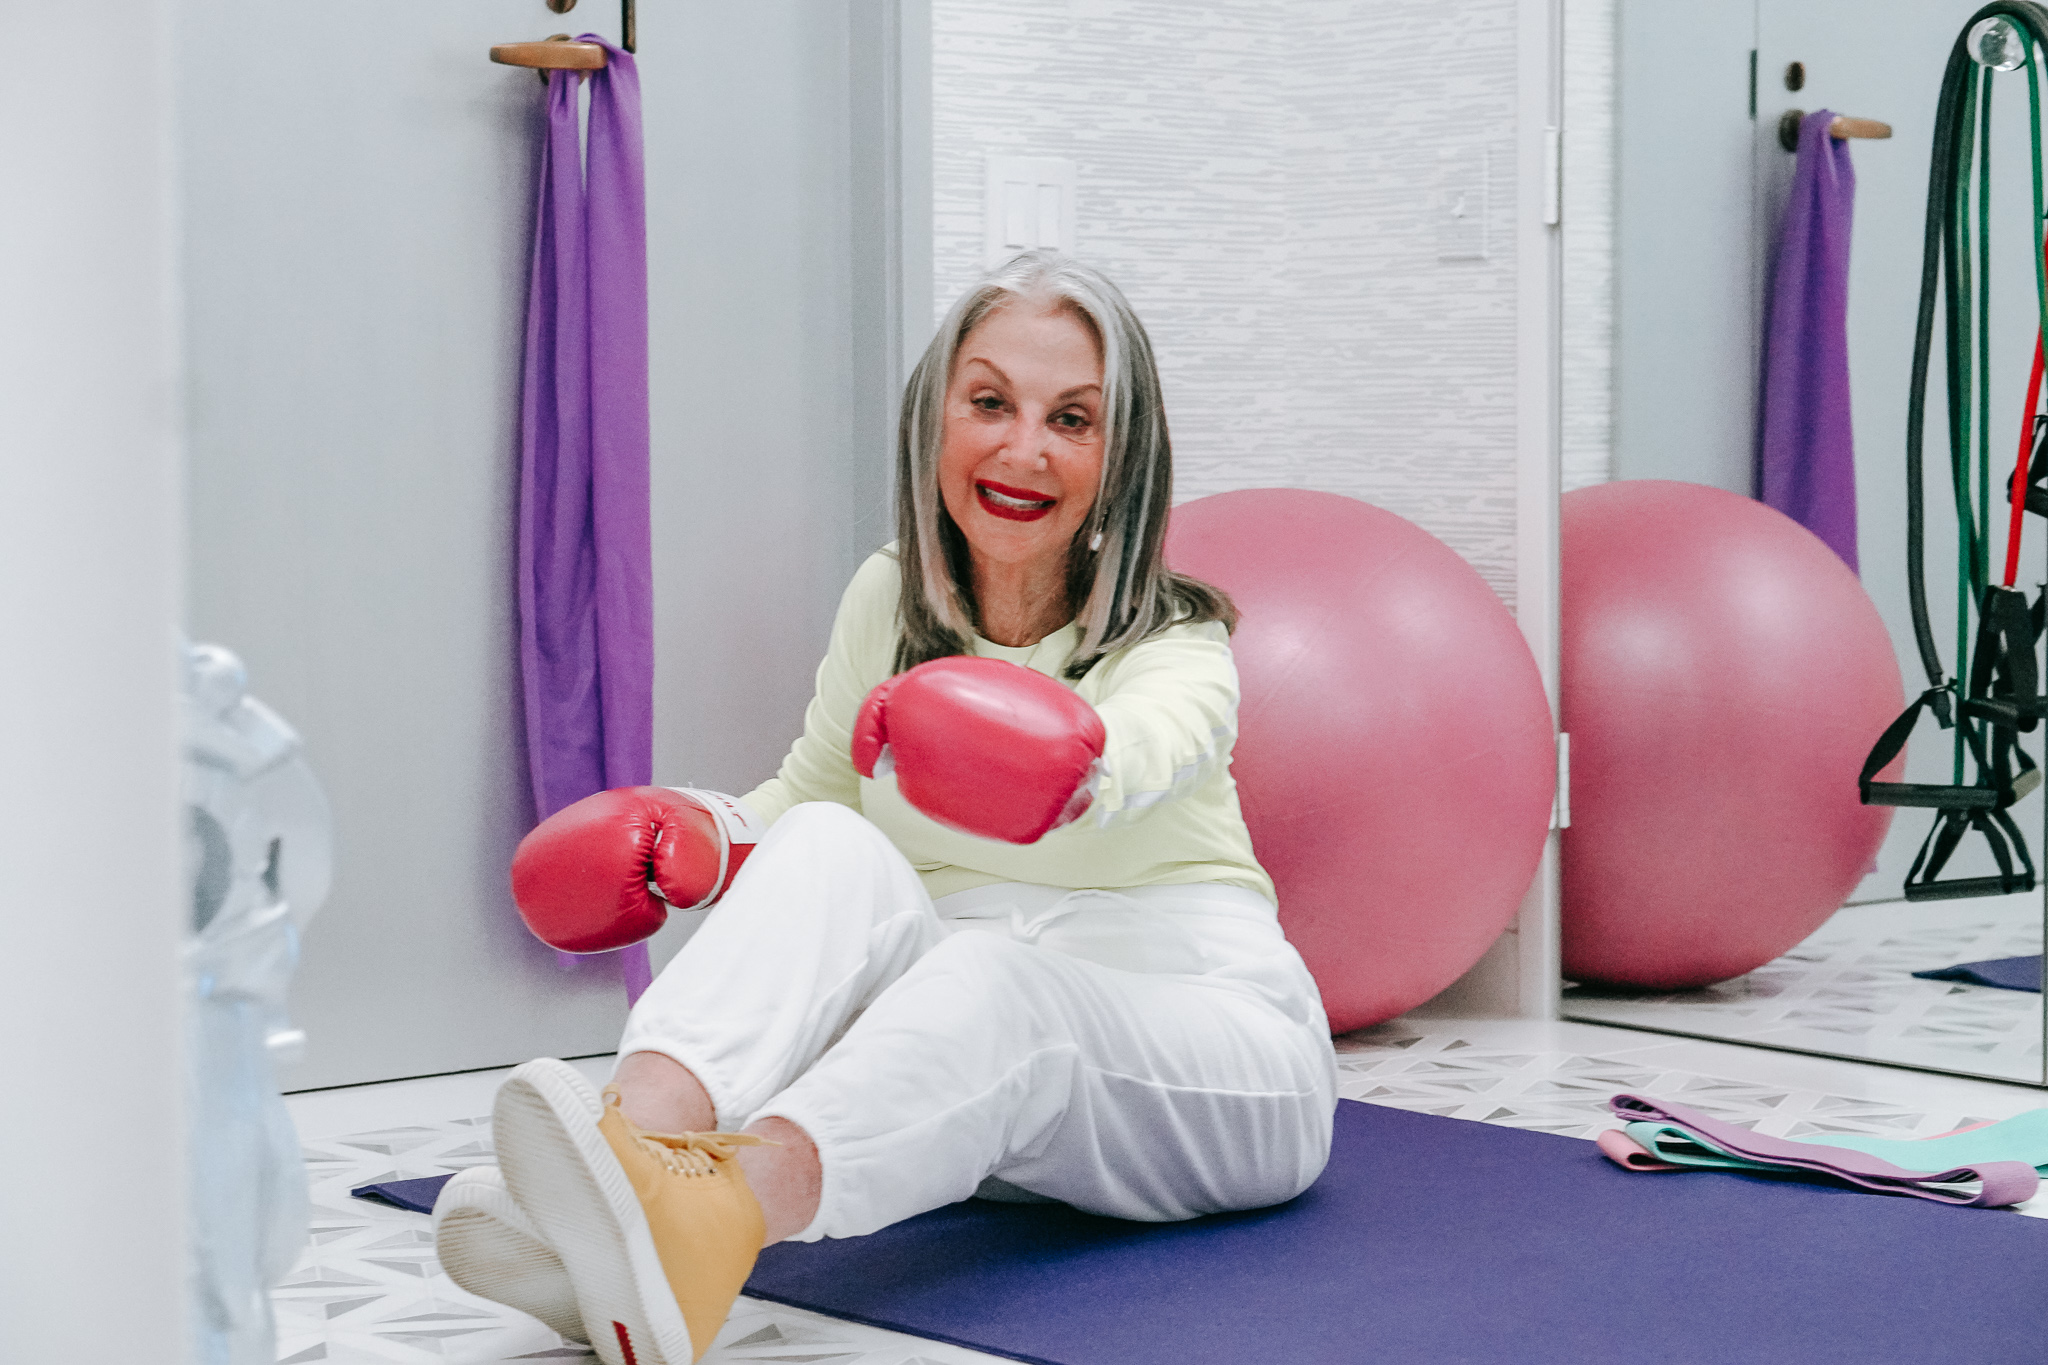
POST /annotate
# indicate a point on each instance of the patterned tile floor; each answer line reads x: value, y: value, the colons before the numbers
x: 1849, y: 991
x: 368, y: 1290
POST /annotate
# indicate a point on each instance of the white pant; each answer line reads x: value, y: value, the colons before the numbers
x: 928, y: 1049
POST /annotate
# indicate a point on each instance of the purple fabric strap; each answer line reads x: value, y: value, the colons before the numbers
x: 2002, y: 1182
x: 1806, y: 457
x: 586, y: 578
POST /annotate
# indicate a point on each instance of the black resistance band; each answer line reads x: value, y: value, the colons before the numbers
x: 1995, y: 696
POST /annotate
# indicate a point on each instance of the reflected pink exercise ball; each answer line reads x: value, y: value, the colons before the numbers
x: 1723, y: 675
x: 1394, y: 754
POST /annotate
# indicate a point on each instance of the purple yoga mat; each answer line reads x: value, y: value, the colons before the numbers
x: 1456, y: 1243
x: 1806, y: 457
x: 416, y: 1195
x: 2006, y: 973
x: 586, y: 576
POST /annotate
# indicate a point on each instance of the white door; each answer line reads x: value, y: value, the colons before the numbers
x: 358, y: 195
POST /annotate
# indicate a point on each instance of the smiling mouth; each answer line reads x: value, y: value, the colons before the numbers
x: 1012, y: 504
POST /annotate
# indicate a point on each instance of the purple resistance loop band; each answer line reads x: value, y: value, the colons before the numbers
x: 2000, y: 1182
x: 586, y: 577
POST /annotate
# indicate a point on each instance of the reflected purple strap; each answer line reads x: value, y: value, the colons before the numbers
x: 1806, y: 450
x: 2002, y: 1182
x: 586, y: 576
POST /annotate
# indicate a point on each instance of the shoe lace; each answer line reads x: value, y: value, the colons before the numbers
x: 687, y: 1153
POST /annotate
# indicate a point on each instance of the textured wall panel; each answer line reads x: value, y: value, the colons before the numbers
x: 1587, y: 361
x: 1174, y: 116
x: 1261, y: 178
x: 1403, y: 365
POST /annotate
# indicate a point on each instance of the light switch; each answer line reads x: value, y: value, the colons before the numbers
x: 1030, y: 203
x: 1460, y: 208
x: 1020, y: 215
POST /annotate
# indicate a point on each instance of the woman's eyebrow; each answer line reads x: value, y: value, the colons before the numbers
x: 1077, y: 390
x: 990, y: 366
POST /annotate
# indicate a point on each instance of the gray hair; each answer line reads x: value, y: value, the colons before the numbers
x: 1118, y: 585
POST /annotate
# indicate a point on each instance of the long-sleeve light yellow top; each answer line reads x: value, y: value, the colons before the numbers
x: 1165, y: 814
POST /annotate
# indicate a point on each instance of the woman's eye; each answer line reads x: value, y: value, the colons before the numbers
x: 1071, y: 421
x: 988, y: 402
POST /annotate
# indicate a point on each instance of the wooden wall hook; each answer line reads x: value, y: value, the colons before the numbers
x: 563, y: 53
x: 559, y: 53
x: 1842, y: 127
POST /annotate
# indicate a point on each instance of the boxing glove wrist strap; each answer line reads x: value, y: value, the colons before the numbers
x: 737, y: 825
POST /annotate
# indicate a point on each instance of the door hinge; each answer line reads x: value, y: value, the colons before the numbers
x: 1561, y: 806
x: 1553, y: 177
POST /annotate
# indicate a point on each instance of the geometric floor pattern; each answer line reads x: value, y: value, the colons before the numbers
x: 1849, y: 991
x: 1403, y: 1067
x: 367, y: 1289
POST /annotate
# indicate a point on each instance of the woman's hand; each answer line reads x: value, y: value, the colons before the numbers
x: 605, y: 871
x: 983, y: 746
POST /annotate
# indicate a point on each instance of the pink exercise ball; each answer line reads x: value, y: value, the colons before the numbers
x: 1394, y: 754
x: 1723, y: 675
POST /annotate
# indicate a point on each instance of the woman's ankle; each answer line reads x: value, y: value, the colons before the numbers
x: 661, y: 1095
x: 787, y: 1178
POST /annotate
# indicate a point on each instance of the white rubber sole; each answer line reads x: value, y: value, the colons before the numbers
x: 488, y: 1247
x: 561, y: 1171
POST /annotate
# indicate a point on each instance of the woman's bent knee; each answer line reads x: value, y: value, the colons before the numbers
x: 828, y: 829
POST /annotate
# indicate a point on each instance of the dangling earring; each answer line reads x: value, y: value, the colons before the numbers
x: 1095, y: 543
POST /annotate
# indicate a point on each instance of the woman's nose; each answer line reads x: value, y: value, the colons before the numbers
x: 1030, y: 442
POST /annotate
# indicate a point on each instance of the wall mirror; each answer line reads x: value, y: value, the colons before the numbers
x: 1676, y: 192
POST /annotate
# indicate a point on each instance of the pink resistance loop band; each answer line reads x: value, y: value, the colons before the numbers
x: 1998, y: 1183
x: 586, y: 579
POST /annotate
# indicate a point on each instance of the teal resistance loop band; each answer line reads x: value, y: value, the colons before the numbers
x: 2021, y: 1138
x: 2024, y: 1139
x: 1994, y: 696
x: 1671, y: 1143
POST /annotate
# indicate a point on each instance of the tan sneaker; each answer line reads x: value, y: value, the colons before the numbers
x: 658, y: 1232
x: 490, y: 1248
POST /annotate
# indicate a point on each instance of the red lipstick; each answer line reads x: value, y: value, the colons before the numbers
x: 1012, y: 504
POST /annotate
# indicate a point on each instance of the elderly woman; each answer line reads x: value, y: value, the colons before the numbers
x: 1004, y: 933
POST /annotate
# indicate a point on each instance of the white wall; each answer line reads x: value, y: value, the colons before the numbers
x: 357, y: 241
x: 1261, y: 176
x: 92, y: 1263
x: 1266, y: 180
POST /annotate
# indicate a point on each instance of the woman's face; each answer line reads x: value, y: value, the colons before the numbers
x: 1020, y: 456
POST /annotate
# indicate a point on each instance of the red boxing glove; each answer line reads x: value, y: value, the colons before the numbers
x: 604, y: 872
x: 983, y: 746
